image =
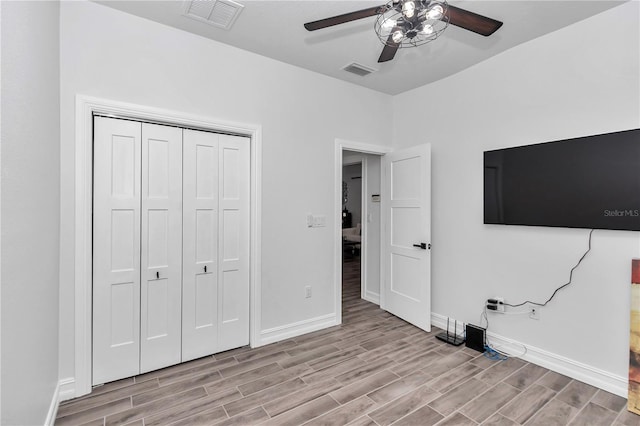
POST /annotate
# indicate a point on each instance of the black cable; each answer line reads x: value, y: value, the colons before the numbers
x: 562, y: 286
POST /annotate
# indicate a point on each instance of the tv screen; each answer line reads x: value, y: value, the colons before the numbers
x: 588, y: 182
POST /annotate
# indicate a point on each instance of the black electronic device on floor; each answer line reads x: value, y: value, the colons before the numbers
x: 475, y: 337
x: 451, y: 338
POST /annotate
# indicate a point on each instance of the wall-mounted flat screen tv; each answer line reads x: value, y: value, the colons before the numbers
x: 587, y: 182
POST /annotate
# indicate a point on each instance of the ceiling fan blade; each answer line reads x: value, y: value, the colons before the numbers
x: 389, y: 50
x: 347, y: 17
x: 472, y: 21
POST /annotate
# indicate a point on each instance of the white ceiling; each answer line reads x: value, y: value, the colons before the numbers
x: 275, y: 29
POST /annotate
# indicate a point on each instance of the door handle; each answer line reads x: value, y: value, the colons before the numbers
x: 205, y: 268
x: 423, y: 246
x: 157, y: 275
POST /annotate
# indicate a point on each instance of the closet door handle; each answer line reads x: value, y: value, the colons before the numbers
x: 157, y: 275
x: 205, y: 268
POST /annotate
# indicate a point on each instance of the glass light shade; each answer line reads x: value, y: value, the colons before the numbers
x: 435, y: 12
x: 397, y: 36
x: 408, y: 9
x: 427, y: 29
x: 389, y: 23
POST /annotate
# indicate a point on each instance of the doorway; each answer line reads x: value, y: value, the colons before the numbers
x: 403, y: 261
x: 352, y: 209
x: 360, y: 225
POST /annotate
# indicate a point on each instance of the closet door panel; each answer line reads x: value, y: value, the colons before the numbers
x: 161, y: 240
x: 116, y: 249
x: 200, y: 250
x: 233, y: 274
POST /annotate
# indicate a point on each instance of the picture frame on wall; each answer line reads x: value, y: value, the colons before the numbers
x: 633, y: 401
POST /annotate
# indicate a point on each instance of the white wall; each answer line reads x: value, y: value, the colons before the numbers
x: 30, y: 210
x: 109, y: 54
x: 578, y: 81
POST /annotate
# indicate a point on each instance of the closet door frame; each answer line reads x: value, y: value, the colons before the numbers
x: 86, y: 108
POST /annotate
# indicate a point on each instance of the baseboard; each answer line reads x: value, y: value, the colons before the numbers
x: 53, y: 407
x: 67, y: 389
x: 288, y: 331
x: 617, y: 385
x: 440, y: 321
x: 372, y: 297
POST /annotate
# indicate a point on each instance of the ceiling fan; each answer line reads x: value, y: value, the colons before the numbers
x: 408, y: 23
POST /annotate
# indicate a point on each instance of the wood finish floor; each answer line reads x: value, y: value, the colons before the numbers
x: 374, y: 369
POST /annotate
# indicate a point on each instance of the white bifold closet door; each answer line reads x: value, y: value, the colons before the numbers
x: 215, y: 278
x: 233, y: 243
x: 161, y: 247
x: 116, y: 249
x: 171, y: 246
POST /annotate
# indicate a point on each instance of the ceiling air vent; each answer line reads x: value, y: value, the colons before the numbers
x: 359, y: 69
x: 219, y: 13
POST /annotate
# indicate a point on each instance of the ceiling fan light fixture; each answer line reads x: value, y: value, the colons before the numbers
x: 411, y: 23
x: 414, y: 22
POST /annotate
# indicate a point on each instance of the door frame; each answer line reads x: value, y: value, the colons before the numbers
x: 362, y: 148
x: 86, y: 106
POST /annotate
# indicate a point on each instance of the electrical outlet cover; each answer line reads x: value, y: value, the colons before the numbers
x: 535, y: 313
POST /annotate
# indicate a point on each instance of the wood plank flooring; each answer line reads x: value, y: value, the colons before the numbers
x: 374, y: 369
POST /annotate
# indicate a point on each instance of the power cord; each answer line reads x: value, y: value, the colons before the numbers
x: 494, y: 353
x: 562, y: 286
x: 490, y: 351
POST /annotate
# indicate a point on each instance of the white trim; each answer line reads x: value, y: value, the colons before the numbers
x: 85, y: 107
x: 53, y: 407
x: 364, y: 148
x: 64, y: 390
x: 617, y: 385
x: 287, y: 331
x: 372, y: 297
x: 440, y: 321
x: 601, y: 379
x: 67, y: 389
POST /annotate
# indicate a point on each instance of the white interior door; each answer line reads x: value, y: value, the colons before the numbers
x: 406, y: 289
x: 161, y: 240
x: 200, y: 244
x: 233, y: 242
x: 116, y: 249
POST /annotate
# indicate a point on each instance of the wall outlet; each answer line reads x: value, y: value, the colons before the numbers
x: 307, y: 291
x: 500, y: 304
x: 535, y: 313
